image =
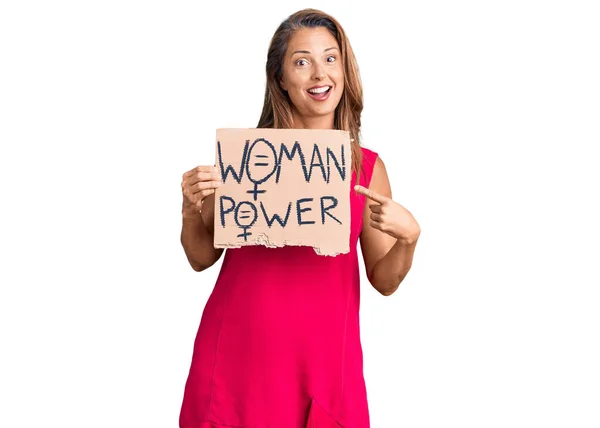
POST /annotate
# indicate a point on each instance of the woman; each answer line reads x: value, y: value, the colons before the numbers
x: 279, y: 343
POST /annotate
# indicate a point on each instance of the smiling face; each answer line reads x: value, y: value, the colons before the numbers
x: 313, y: 76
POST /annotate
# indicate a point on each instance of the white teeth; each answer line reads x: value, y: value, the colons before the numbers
x: 319, y: 90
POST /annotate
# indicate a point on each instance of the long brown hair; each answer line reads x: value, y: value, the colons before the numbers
x: 277, y: 112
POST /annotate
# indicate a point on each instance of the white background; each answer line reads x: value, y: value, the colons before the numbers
x: 485, y: 113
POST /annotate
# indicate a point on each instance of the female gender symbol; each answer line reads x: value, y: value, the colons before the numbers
x: 263, y: 160
x: 245, y: 220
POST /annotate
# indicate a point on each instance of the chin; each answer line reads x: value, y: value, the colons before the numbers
x: 323, y: 113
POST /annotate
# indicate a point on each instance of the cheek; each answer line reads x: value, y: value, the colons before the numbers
x: 339, y: 76
x: 338, y: 79
x: 295, y: 84
x: 292, y: 80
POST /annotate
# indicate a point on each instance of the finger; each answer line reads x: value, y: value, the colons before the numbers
x: 198, y: 198
x: 376, y: 217
x: 376, y: 208
x: 204, y: 185
x: 200, y: 168
x: 203, y: 194
x: 200, y: 177
x: 374, y: 196
x: 375, y: 225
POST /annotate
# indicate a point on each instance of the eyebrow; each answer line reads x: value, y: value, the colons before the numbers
x: 308, y: 52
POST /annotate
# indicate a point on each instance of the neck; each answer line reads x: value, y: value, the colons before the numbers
x: 316, y: 122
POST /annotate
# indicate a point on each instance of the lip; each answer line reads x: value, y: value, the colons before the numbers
x: 320, y: 86
x: 320, y: 97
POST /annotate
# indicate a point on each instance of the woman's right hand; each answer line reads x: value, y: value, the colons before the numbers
x: 197, y: 184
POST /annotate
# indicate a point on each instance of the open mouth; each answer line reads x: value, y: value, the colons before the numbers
x: 319, y: 93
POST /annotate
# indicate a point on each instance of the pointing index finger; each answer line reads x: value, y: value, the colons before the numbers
x: 201, y: 168
x: 374, y: 196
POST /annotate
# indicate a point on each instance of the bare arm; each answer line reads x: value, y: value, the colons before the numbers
x: 197, y: 211
x: 389, y: 235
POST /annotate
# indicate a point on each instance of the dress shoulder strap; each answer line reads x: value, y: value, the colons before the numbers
x: 369, y: 157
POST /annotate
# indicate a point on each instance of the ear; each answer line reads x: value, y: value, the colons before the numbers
x: 282, y: 84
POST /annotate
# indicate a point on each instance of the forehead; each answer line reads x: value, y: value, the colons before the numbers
x: 314, y: 40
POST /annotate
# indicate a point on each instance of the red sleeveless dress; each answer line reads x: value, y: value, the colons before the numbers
x: 279, y: 341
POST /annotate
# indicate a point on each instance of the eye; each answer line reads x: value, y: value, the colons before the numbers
x: 301, y: 62
x: 331, y: 58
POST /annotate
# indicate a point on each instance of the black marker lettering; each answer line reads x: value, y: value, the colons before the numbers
x: 222, y: 211
x: 246, y: 224
x: 225, y: 171
x: 324, y: 209
x: 260, y: 172
x: 341, y: 169
x: 317, y: 153
x: 301, y: 210
x: 296, y: 147
x: 271, y: 220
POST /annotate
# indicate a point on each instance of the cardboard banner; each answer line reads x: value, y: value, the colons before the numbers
x: 283, y: 187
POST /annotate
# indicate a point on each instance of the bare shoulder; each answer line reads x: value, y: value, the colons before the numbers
x: 380, y: 182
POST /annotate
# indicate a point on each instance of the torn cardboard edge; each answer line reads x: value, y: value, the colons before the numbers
x: 262, y: 239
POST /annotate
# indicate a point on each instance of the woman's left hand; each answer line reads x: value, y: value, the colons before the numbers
x: 390, y: 217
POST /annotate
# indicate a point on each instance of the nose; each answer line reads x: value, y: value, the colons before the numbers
x: 318, y: 72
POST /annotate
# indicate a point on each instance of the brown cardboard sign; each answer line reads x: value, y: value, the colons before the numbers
x: 283, y: 187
